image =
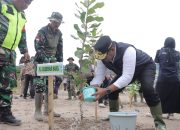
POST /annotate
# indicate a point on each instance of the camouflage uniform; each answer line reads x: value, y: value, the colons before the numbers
x: 47, y: 44
x: 12, y: 35
x: 69, y: 69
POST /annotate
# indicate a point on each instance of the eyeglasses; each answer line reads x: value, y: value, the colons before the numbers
x: 28, y: 1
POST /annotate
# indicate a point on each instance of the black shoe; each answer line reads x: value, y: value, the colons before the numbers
x: 32, y: 97
x: 106, y: 103
x: 10, y: 120
x: 170, y: 116
x: 55, y: 96
x: 16, y: 119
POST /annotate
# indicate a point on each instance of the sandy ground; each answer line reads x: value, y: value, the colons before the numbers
x: 70, y: 115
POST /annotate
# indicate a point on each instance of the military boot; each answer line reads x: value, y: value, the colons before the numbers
x: 46, y: 107
x: 141, y: 96
x: 6, y: 117
x: 135, y: 98
x: 10, y: 112
x: 156, y: 112
x: 113, y: 107
x: 38, y: 105
x: 69, y: 95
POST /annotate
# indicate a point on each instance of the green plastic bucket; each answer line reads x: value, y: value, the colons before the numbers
x: 87, y: 93
x: 123, y: 120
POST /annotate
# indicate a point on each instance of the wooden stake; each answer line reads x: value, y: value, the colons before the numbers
x: 96, y: 114
x: 50, y: 103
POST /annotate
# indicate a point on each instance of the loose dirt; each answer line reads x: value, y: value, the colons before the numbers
x: 70, y: 115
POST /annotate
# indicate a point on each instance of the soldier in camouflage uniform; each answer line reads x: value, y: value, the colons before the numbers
x: 12, y: 35
x: 69, y: 69
x: 47, y: 43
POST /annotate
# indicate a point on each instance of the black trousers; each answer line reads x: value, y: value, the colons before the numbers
x: 146, y: 78
x: 28, y: 81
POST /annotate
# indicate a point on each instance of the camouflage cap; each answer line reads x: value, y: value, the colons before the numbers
x: 70, y: 58
x: 56, y: 16
x: 102, y: 46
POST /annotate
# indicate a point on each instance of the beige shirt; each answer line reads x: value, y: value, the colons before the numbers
x: 28, y: 69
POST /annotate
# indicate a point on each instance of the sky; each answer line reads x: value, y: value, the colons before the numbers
x: 142, y: 23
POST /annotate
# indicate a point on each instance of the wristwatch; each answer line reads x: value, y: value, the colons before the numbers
x: 108, y: 91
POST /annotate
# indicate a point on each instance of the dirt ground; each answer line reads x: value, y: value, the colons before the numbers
x: 70, y: 115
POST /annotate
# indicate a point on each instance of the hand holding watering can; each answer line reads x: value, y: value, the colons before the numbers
x: 94, y: 92
x: 87, y: 93
x: 91, y: 93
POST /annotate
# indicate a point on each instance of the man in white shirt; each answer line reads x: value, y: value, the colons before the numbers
x: 129, y: 64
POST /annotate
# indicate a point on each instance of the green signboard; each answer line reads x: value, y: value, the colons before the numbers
x: 50, y: 69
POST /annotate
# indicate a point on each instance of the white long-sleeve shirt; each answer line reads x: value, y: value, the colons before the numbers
x: 129, y: 63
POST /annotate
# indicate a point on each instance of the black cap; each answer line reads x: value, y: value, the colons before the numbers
x: 102, y: 46
x: 70, y: 58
